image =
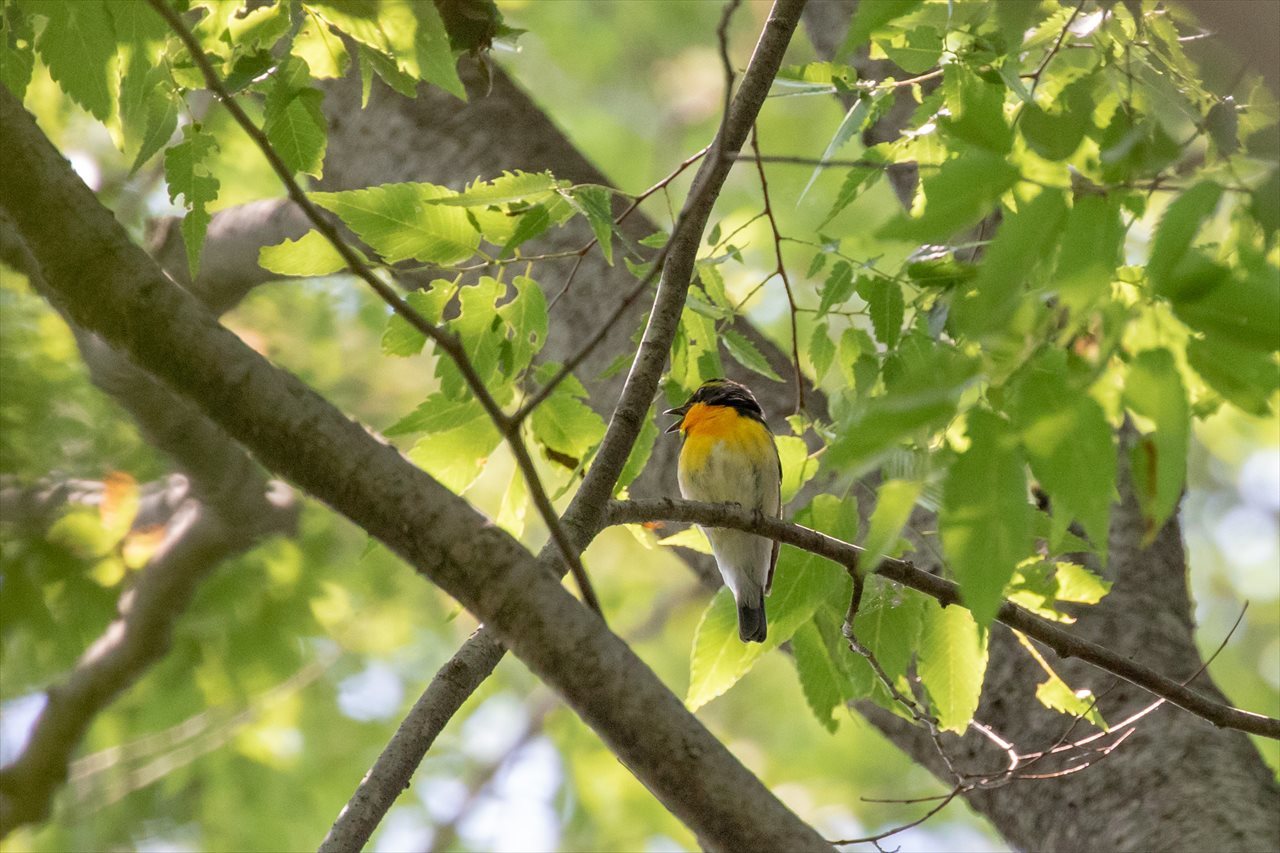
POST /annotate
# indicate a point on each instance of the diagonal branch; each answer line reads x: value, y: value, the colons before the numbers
x: 108, y: 284
x: 450, y: 344
x: 1064, y: 643
x: 585, y: 516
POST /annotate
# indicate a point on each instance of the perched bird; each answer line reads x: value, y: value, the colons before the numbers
x: 727, y: 455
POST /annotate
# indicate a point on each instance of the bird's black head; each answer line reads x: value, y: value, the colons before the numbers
x: 720, y: 392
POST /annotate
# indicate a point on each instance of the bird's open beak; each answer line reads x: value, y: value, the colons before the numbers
x: 679, y: 412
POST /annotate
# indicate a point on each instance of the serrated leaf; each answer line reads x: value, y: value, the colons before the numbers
x: 1025, y: 240
x: 640, y: 452
x: 293, y: 119
x: 886, y: 307
x: 320, y: 48
x: 871, y: 17
x: 720, y: 659
x: 563, y: 422
x: 1077, y: 584
x: 436, y: 62
x: 510, y: 187
x: 78, y: 47
x: 526, y: 314
x: 1069, y: 444
x: 838, y: 287
x: 1014, y: 17
x: 187, y: 175
x: 1244, y: 377
x: 437, y: 413
x: 797, y: 467
x: 1181, y: 222
x: 822, y: 351
x: 691, y: 538
x: 985, y: 518
x: 713, y: 284
x: 894, y: 501
x: 956, y: 196
x: 403, y: 340
x: 819, y: 678
x: 456, y: 457
x: 17, y: 55
x: 160, y: 122
x: 924, y: 397
x: 1090, y: 251
x: 399, y: 223
x: 515, y: 504
x: 952, y: 663
x: 1153, y: 390
x: 856, y: 180
x: 596, y: 204
x: 853, y: 122
x: 976, y: 108
x: 745, y: 353
x: 1056, y: 135
x: 916, y: 51
x: 311, y: 254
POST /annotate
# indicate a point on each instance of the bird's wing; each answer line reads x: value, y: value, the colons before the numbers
x: 777, y: 546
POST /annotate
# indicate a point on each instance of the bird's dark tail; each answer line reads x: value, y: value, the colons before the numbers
x: 751, y: 619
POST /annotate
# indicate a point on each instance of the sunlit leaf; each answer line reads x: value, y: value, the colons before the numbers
x: 952, y: 663
x: 1153, y: 389
x: 309, y: 255
x: 956, y: 196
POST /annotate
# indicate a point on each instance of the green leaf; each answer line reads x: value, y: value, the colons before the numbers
x: 1025, y: 240
x: 745, y: 353
x: 1077, y: 584
x: 1244, y: 309
x: 977, y: 110
x: 855, y: 181
x: 456, y: 457
x: 1015, y: 17
x: 1055, y: 694
x: 886, y: 307
x: 1245, y: 377
x: 821, y: 351
x: 1090, y: 250
x: 320, y: 48
x: 398, y: 222
x: 797, y: 467
x: 437, y: 413
x: 1223, y: 126
x: 958, y: 195
x: 713, y: 284
x: 563, y: 422
x: 915, y: 52
x: 311, y: 254
x: 514, y: 186
x: 17, y: 56
x: 596, y: 204
x: 187, y: 175
x: 838, y: 287
x: 404, y: 340
x: 985, y: 518
x: 160, y: 120
x: 888, y: 624
x: 293, y: 119
x: 1153, y: 390
x: 1069, y: 444
x: 923, y: 397
x: 854, y: 120
x: 1057, y: 135
x: 692, y: 538
x: 78, y: 47
x: 436, y: 62
x: 894, y: 501
x: 952, y: 663
x: 1264, y: 203
x: 871, y: 17
x: 720, y: 659
x: 526, y: 314
x: 640, y: 452
x: 1178, y: 227
x: 819, y: 677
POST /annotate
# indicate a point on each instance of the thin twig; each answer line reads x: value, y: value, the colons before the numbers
x: 781, y: 269
x: 1064, y: 643
x: 450, y: 343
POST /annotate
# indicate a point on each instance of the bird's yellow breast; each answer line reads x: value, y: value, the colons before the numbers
x: 704, y: 426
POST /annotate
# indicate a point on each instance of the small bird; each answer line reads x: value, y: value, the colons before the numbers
x: 728, y: 455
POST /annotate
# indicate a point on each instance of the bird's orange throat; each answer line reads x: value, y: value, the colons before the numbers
x: 706, y: 421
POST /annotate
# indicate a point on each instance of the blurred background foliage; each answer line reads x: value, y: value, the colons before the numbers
x: 297, y: 660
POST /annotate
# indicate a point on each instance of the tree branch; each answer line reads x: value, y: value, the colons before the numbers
x: 109, y: 285
x: 946, y: 592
